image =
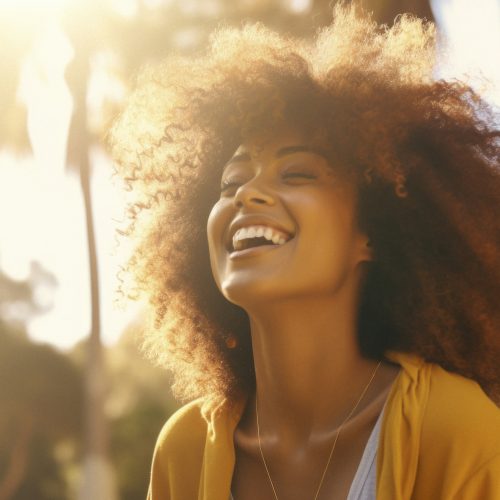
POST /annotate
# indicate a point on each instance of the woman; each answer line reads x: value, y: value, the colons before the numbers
x: 338, y: 335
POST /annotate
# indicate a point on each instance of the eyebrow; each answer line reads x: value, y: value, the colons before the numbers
x: 287, y: 150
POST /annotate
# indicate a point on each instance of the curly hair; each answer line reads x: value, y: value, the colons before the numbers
x: 424, y: 154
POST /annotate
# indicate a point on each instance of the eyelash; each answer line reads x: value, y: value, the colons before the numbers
x: 227, y: 184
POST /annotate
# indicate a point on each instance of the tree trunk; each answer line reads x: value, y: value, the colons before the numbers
x: 97, y: 474
x: 18, y: 459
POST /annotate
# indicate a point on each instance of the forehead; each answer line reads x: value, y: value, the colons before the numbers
x: 260, y: 145
x: 284, y: 140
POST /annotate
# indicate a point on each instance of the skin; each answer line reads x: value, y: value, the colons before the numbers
x: 302, y: 300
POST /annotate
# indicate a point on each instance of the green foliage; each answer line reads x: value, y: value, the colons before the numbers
x: 41, y: 403
x: 43, y: 477
x: 132, y: 441
x: 36, y: 379
x: 138, y: 404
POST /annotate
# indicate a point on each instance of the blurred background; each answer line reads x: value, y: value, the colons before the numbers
x: 80, y: 408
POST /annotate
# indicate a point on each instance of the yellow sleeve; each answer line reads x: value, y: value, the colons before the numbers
x: 178, y: 456
x: 440, y: 438
x: 484, y: 483
x: 159, y: 482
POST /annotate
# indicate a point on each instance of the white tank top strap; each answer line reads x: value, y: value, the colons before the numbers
x: 363, y: 486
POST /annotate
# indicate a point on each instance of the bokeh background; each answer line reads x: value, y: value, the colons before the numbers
x: 80, y: 408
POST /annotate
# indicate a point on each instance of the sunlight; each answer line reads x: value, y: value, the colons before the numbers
x: 126, y: 8
x: 33, y: 4
x: 299, y: 6
x: 44, y: 91
x: 472, y: 40
x: 47, y: 225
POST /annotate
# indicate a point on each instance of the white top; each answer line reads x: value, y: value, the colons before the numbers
x: 363, y: 486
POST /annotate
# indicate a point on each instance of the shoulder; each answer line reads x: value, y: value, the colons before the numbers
x: 181, y: 441
x: 178, y: 455
x: 449, y: 409
x: 194, y: 451
x: 458, y: 407
x: 444, y: 404
x: 441, y: 436
x: 459, y: 452
x: 185, y: 427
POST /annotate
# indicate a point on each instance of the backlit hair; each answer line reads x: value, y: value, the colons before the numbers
x: 424, y: 155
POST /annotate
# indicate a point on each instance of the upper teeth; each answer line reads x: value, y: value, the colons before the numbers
x: 271, y: 234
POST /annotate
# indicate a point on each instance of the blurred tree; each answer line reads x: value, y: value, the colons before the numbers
x: 133, y: 436
x: 16, y: 38
x: 138, y: 405
x: 19, y: 300
x: 41, y: 397
x: 98, y: 480
x: 13, y: 291
x: 133, y: 377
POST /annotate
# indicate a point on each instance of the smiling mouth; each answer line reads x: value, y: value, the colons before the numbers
x: 257, y: 236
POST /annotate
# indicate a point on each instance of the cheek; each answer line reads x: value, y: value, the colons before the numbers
x: 217, y: 223
x: 326, y: 234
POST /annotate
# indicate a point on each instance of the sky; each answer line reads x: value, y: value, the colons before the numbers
x: 41, y: 207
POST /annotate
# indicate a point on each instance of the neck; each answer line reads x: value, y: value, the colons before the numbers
x: 308, y: 367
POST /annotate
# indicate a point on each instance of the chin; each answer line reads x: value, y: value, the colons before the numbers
x: 245, y: 292
x: 251, y: 290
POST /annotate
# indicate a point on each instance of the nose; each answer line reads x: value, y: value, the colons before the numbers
x: 250, y: 193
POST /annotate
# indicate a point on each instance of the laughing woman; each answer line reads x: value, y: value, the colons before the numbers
x: 320, y: 244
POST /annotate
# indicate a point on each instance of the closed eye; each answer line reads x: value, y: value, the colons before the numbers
x: 229, y: 185
x: 291, y: 175
x: 299, y: 174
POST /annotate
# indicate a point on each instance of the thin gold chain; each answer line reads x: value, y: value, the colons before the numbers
x: 334, y: 442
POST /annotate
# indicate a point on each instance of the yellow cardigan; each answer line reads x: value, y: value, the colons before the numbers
x: 440, y: 440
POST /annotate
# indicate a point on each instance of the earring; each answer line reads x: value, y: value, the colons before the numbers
x: 231, y: 342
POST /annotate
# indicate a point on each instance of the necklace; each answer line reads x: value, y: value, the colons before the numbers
x: 334, y: 442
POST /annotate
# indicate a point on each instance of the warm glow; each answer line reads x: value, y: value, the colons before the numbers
x: 299, y: 6
x: 44, y: 92
x: 46, y: 222
x: 33, y: 4
x: 41, y: 204
x: 472, y: 38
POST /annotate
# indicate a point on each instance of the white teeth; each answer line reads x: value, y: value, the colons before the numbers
x: 271, y: 234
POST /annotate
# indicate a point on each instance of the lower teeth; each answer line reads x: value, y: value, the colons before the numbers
x: 258, y: 246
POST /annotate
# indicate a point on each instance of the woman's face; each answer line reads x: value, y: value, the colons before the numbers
x: 285, y: 224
